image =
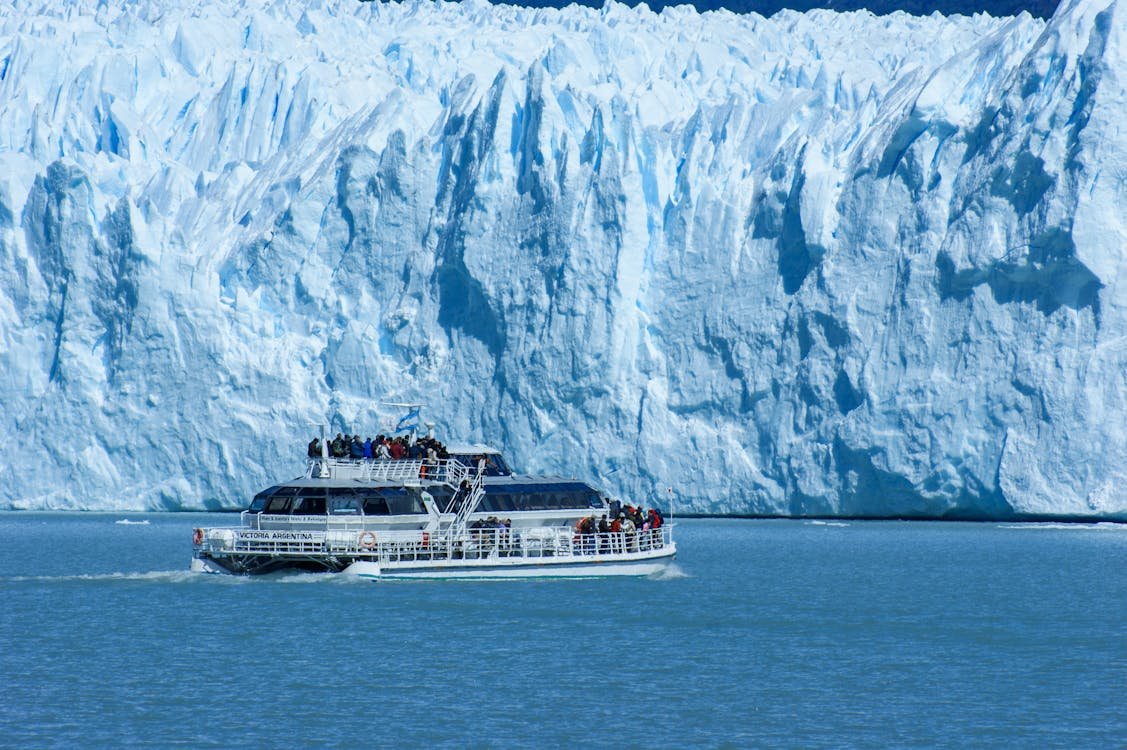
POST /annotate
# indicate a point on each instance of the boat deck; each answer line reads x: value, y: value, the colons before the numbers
x: 475, y: 551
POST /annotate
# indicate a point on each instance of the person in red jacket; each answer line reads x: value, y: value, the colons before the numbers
x: 397, y: 450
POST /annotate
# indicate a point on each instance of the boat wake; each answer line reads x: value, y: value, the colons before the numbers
x: 670, y: 572
x: 160, y: 576
x: 128, y: 522
x: 839, y: 524
x: 192, y: 577
x: 305, y: 578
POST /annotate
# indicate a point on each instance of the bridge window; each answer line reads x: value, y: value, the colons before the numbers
x: 310, y: 506
x: 495, y: 465
x: 278, y: 504
x: 340, y: 505
x: 404, y: 504
x: 573, y: 496
x: 376, y: 506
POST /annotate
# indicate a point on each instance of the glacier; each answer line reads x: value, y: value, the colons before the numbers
x: 815, y: 264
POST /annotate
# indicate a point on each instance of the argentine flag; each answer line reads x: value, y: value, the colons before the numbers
x: 409, y: 421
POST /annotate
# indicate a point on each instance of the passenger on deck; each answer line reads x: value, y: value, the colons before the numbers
x: 585, y: 530
x: 382, y: 453
x: 616, y: 538
x: 356, y: 448
x: 336, y: 447
x: 629, y: 536
x: 367, y: 449
x: 504, y: 535
x: 428, y: 443
x: 315, y: 448
x: 397, y: 449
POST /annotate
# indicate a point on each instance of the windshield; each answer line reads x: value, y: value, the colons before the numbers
x: 495, y: 465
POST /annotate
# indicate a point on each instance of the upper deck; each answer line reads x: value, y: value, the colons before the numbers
x: 410, y: 472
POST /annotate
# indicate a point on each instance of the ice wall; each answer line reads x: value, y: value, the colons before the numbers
x: 813, y: 264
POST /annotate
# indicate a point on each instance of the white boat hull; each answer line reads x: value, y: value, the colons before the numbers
x: 519, y: 568
x: 207, y: 566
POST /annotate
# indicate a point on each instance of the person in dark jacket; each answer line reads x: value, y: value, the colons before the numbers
x: 314, y: 448
x: 356, y: 449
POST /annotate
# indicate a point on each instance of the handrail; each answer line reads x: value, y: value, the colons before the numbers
x: 446, y: 470
x: 398, y: 545
x: 469, y: 504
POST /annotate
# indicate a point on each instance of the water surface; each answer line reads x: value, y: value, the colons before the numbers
x: 767, y: 634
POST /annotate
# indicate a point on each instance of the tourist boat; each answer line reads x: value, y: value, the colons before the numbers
x: 466, y: 516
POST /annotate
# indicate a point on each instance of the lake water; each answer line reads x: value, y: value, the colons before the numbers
x: 769, y: 634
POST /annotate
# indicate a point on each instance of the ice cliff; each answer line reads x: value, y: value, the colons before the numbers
x: 814, y: 263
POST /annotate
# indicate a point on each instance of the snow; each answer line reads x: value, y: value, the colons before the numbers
x: 814, y: 264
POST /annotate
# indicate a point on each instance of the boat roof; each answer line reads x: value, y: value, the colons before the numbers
x: 494, y: 481
x: 337, y: 482
x: 462, y: 449
x: 528, y: 479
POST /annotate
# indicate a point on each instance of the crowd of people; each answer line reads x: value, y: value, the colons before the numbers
x: 493, y: 530
x: 383, y: 448
x: 592, y: 535
x: 617, y: 534
x: 630, y: 518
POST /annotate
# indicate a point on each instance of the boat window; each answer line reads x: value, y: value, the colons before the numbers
x: 310, y: 506
x: 404, y: 503
x: 260, y: 500
x: 441, y: 495
x: 500, y: 468
x: 378, y: 501
x: 564, y: 496
x: 344, y: 504
x: 495, y: 465
x: 507, y: 502
x: 278, y: 504
x: 376, y: 506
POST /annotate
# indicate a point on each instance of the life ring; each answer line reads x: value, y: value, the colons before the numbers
x: 367, y: 539
x: 197, y: 537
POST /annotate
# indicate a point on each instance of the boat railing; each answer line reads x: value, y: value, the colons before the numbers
x: 446, y: 470
x: 413, y: 545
